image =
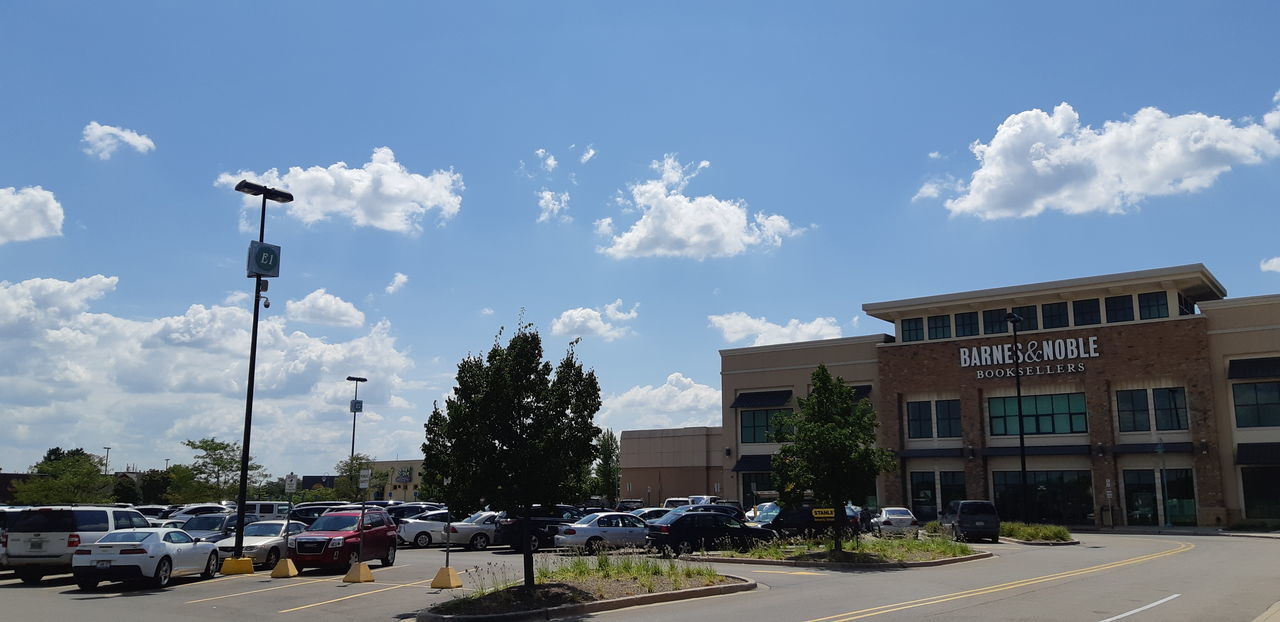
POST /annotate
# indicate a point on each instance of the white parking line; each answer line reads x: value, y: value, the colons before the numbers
x: 1142, y: 608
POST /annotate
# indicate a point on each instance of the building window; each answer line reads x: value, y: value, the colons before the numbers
x: 967, y: 324
x: 757, y: 425
x: 913, y: 329
x: 1061, y: 413
x: 951, y: 487
x: 1028, y: 315
x: 919, y: 420
x: 1261, y: 486
x: 1185, y: 306
x: 1153, y: 306
x: 939, y: 326
x: 1257, y: 404
x: 1057, y: 497
x: 948, y: 415
x: 923, y: 502
x: 994, y: 322
x: 1087, y: 312
x: 1171, y: 408
x: 1140, y: 497
x: 1179, y: 497
x: 1119, y: 309
x: 1055, y: 315
x: 1131, y: 411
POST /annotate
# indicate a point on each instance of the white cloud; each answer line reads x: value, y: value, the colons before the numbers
x: 674, y: 225
x: 1038, y: 161
x: 1270, y: 265
x: 737, y: 326
x: 934, y: 188
x: 235, y: 299
x: 934, y: 155
x: 587, y: 154
x: 320, y: 307
x: 103, y: 140
x: 548, y: 161
x: 381, y: 194
x: 396, y: 283
x: 28, y: 214
x: 604, y: 226
x: 1272, y: 119
x: 586, y: 322
x: 678, y: 402
x: 552, y: 204
x: 486, y: 311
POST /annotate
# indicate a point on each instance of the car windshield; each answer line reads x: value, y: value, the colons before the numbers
x: 766, y: 511
x: 331, y: 522
x: 587, y: 520
x: 667, y: 519
x: 977, y: 508
x: 475, y: 518
x: 435, y: 515
x: 204, y: 523
x: 263, y: 529
x: 893, y: 512
x: 127, y: 536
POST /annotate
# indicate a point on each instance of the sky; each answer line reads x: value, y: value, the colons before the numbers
x: 662, y: 180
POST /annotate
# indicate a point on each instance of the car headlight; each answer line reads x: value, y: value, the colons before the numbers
x: 249, y: 549
x: 335, y: 542
x: 293, y: 543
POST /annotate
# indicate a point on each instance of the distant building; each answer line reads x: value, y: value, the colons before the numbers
x: 656, y: 464
x: 403, y: 479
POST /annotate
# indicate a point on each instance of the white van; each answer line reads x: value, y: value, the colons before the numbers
x: 268, y: 510
x: 675, y: 502
x: 703, y: 499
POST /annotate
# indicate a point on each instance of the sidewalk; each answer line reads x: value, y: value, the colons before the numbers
x: 1184, y: 531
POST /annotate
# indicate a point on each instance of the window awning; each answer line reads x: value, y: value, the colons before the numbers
x: 1152, y: 448
x: 1258, y: 454
x: 1267, y: 367
x: 754, y: 463
x: 761, y: 399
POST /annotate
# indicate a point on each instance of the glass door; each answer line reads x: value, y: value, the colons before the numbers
x: 1140, y: 497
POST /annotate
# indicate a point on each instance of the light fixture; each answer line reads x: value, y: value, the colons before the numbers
x: 1204, y: 447
x: 271, y: 194
x: 1102, y: 450
x: 728, y: 451
x: 973, y: 455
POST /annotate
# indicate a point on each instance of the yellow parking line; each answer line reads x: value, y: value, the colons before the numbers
x: 265, y: 589
x: 394, y: 587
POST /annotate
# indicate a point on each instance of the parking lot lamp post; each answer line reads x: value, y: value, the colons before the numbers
x: 356, y: 407
x: 279, y: 196
x: 1015, y: 319
x: 106, y: 461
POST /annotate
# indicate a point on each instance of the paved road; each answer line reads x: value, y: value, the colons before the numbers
x: 1214, y: 578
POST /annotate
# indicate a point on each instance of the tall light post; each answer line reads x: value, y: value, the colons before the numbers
x: 356, y: 407
x: 264, y: 261
x: 106, y: 461
x: 166, y: 464
x: 1015, y: 319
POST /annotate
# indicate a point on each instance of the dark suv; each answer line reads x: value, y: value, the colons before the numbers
x: 968, y: 520
x: 795, y: 520
x: 681, y: 533
x: 727, y: 510
x: 546, y: 521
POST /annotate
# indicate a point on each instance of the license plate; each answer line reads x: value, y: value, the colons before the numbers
x: 979, y: 523
x: 36, y: 545
x: 103, y: 565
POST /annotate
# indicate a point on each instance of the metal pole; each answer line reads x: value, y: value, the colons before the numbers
x: 1015, y: 319
x: 351, y: 463
x: 248, y: 401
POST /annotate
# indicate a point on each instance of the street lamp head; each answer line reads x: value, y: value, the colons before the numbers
x: 248, y: 187
x: 357, y: 379
x: 1013, y: 318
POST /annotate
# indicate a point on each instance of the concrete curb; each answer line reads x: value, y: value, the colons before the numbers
x: 1270, y: 615
x: 1246, y: 534
x: 599, y: 605
x: 1039, y: 542
x: 846, y: 565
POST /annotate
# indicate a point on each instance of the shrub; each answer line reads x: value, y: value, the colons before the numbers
x: 1035, y: 532
x: 933, y: 527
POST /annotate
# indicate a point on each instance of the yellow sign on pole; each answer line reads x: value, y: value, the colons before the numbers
x: 824, y: 514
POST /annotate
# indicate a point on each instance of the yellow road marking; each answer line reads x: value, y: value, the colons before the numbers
x: 292, y: 583
x: 394, y: 587
x: 933, y: 600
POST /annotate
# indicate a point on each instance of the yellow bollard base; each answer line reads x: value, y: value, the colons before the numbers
x: 359, y: 573
x: 284, y: 569
x: 446, y: 578
x: 234, y: 565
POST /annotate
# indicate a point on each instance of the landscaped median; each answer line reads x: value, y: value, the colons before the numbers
x: 1036, y: 534
x: 867, y: 552
x: 578, y: 585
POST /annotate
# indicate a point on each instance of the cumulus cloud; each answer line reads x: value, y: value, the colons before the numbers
x: 72, y: 374
x: 320, y: 307
x: 934, y: 188
x: 1039, y: 161
x: 548, y: 161
x: 587, y: 154
x: 235, y: 299
x: 396, y: 283
x: 934, y: 155
x: 604, y: 226
x: 486, y: 311
x: 1272, y: 119
x: 381, y: 194
x: 674, y: 225
x: 678, y: 402
x: 103, y: 140
x: 1270, y: 265
x: 737, y: 326
x: 28, y: 214
x: 551, y: 204
x: 587, y: 322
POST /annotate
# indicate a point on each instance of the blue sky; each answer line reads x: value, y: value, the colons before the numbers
x: 662, y: 180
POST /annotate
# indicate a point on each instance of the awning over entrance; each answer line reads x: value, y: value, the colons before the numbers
x: 754, y: 463
x: 1258, y: 454
x: 1240, y: 369
x: 761, y: 399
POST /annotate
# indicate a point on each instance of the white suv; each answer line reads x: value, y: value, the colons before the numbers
x: 41, y: 540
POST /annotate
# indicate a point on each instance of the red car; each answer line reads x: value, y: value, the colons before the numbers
x: 334, y: 542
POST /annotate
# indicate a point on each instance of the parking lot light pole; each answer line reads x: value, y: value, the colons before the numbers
x: 1015, y: 319
x: 106, y: 461
x: 279, y: 196
x: 355, y: 408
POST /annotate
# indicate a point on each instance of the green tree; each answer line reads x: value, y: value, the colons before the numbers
x: 218, y: 464
x: 153, y: 485
x: 185, y: 486
x: 346, y: 483
x: 831, y: 446
x: 515, y: 433
x: 608, y: 474
x: 126, y: 490
x: 65, y: 477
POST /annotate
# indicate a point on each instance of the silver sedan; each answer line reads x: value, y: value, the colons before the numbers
x: 603, y: 530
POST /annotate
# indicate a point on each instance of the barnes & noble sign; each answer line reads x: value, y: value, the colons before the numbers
x: 1035, y: 356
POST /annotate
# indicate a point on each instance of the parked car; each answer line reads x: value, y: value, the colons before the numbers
x: 422, y: 530
x: 263, y: 541
x: 546, y: 521
x: 730, y: 502
x: 703, y: 499
x: 648, y: 514
x: 214, y: 527
x: 971, y: 520
x: 629, y: 505
x: 799, y: 519
x: 895, y: 521
x: 151, y: 511
x: 603, y: 530
x: 268, y: 510
x: 42, y: 540
x: 475, y: 531
x: 681, y: 533
x: 308, y: 504
x: 405, y: 510
x: 309, y: 514
x: 5, y: 514
x: 166, y: 523
x: 195, y: 509
x: 675, y: 502
x: 382, y: 503
x: 334, y: 540
x: 146, y: 554
x: 727, y: 510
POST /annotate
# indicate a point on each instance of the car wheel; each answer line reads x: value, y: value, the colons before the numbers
x: 594, y: 545
x: 30, y: 577
x: 534, y: 544
x: 164, y: 572
x: 211, y: 566
x: 684, y: 548
x: 390, y: 557
x: 479, y: 542
x: 273, y: 557
x: 422, y: 540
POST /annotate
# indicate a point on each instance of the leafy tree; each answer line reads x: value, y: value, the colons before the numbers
x: 346, y: 484
x: 154, y: 485
x: 185, y: 486
x: 126, y: 490
x: 517, y: 432
x: 608, y: 474
x: 218, y: 464
x: 65, y: 477
x: 832, y: 446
